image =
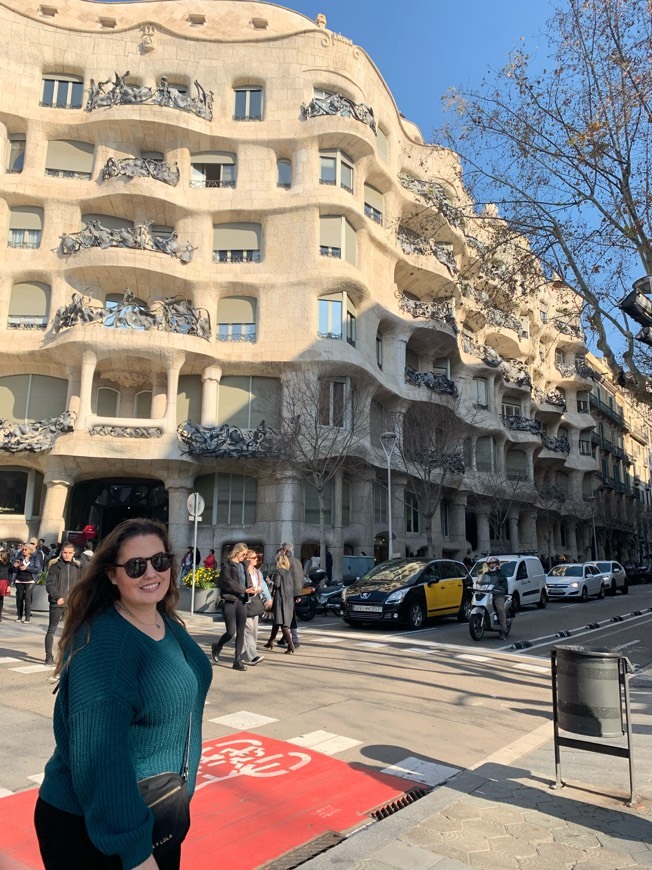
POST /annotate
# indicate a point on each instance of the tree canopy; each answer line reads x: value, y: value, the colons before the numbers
x: 564, y: 151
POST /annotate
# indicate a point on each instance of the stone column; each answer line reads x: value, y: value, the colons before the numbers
x: 159, y: 396
x: 89, y: 362
x: 571, y: 538
x: 528, y: 531
x: 287, y: 524
x: 457, y: 522
x: 173, y: 369
x: 74, y: 387
x: 399, y: 482
x: 53, y: 517
x: 484, y: 533
x: 514, y: 544
x: 336, y: 549
x: 211, y: 377
x: 362, y: 511
x: 179, y: 527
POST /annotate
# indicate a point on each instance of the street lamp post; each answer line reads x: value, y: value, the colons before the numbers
x: 389, y: 441
x: 592, y: 501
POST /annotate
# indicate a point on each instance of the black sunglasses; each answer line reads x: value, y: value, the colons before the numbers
x: 135, y: 568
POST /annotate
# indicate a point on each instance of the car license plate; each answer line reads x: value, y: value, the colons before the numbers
x: 367, y: 608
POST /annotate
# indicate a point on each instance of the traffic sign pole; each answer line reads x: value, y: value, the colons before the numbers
x: 196, y: 507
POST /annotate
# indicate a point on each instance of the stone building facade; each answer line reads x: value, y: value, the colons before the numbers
x: 200, y: 196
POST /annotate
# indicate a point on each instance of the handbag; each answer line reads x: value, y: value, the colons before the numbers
x: 167, y: 796
x: 255, y: 605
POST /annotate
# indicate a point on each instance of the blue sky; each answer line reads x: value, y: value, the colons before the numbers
x: 425, y: 47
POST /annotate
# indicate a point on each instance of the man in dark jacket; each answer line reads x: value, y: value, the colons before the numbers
x: 495, y: 575
x: 62, y: 576
x: 296, y: 570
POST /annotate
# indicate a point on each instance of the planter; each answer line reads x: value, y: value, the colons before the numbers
x: 205, y: 600
x: 40, y: 603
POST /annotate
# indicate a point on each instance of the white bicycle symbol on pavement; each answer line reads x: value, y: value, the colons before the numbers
x: 245, y: 757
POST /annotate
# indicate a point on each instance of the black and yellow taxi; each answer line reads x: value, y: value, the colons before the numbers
x: 408, y: 592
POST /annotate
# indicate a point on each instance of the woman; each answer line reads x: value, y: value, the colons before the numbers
x: 257, y: 583
x: 4, y: 579
x: 130, y: 702
x: 27, y: 567
x: 233, y: 589
x: 210, y: 561
x: 283, y: 606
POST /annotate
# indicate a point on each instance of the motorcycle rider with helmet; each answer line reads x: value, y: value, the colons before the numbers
x: 500, y: 589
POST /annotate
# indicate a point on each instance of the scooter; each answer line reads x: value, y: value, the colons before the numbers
x: 483, y: 615
x: 306, y: 607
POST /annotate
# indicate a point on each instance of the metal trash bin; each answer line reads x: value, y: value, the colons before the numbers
x: 588, y: 691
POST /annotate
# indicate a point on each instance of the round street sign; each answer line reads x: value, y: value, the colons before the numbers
x: 195, y: 505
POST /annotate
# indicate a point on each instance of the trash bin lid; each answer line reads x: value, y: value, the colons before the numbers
x: 591, y: 652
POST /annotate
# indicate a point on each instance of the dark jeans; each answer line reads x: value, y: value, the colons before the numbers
x: 24, y: 592
x: 65, y: 844
x: 235, y: 619
x: 56, y: 615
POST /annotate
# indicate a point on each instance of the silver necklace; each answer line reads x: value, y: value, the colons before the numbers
x: 129, y: 613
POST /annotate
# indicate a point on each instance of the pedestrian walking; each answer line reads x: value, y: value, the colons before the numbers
x: 86, y: 555
x: 5, y: 588
x: 258, y: 603
x: 297, y: 579
x: 186, y: 563
x: 210, y: 561
x: 233, y: 585
x: 26, y: 570
x: 283, y: 602
x: 129, y: 707
x: 62, y: 576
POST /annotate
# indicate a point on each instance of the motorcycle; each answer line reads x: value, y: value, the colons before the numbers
x: 483, y: 615
x: 306, y: 607
x: 329, y: 598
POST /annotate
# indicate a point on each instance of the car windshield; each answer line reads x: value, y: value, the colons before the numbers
x: 566, y: 571
x: 482, y: 568
x: 395, y: 571
x: 604, y: 566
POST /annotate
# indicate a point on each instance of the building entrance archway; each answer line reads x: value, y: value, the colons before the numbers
x: 106, y: 502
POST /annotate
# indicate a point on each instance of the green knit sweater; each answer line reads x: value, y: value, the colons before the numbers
x: 122, y: 714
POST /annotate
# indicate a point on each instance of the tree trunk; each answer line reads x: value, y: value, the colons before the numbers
x: 322, y: 529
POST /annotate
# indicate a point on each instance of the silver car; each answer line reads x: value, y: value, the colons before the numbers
x: 613, y: 577
x: 575, y: 580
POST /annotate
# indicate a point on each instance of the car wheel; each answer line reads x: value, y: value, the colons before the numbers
x: 625, y: 589
x: 613, y: 588
x: 601, y: 592
x: 416, y: 615
x: 476, y: 626
x: 465, y: 610
x: 585, y: 594
x: 543, y: 600
x: 516, y: 602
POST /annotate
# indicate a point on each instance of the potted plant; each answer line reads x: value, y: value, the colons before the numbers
x: 40, y: 601
x: 206, y: 593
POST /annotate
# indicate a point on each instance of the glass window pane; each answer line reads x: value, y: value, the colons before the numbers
x: 250, y: 497
x: 240, y: 104
x: 284, y: 172
x: 223, y: 498
x: 205, y: 486
x: 347, y: 177
x: 338, y: 404
x: 77, y: 95
x: 13, y: 489
x: 62, y: 94
x: 255, y: 104
x: 48, y: 92
x: 328, y: 170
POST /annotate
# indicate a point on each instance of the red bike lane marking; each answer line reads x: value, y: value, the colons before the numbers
x: 256, y: 799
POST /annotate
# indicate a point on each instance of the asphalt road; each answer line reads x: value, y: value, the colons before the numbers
x: 370, y: 696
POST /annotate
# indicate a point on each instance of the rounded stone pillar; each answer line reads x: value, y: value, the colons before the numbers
x: 53, y: 512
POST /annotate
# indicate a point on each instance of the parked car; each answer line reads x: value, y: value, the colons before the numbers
x: 409, y: 591
x: 613, y: 577
x: 639, y: 574
x: 575, y: 580
x: 526, y: 579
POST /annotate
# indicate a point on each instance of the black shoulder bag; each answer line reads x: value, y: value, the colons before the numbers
x: 167, y: 796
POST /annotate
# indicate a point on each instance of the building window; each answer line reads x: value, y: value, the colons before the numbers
x: 248, y: 104
x: 230, y: 499
x: 212, y: 169
x: 485, y: 454
x: 382, y: 145
x: 237, y: 243
x: 29, y: 305
x: 560, y: 357
x: 585, y: 446
x: 25, y: 227
x: 16, y: 153
x: 373, y: 204
x: 411, y: 513
x: 336, y: 168
x: 27, y: 398
x: 337, y: 238
x: 62, y: 91
x: 143, y: 405
x: 13, y: 491
x: 246, y: 402
x: 511, y: 407
x: 284, y: 174
x: 311, y: 504
x: 544, y: 316
x: 479, y: 393
x: 68, y: 158
x: 332, y: 410
x: 445, y: 520
x: 380, y: 503
x: 442, y: 366
x: 583, y: 403
x: 336, y: 317
x: 515, y: 465
x: 379, y: 350
x: 108, y: 402
x: 236, y: 319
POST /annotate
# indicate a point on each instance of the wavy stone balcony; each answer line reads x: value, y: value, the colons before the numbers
x: 107, y: 94
x: 556, y: 443
x: 435, y: 382
x: 413, y: 244
x: 516, y: 423
x: 337, y: 104
x: 141, y: 167
x: 549, y: 397
x: 433, y: 194
x: 438, y: 311
x: 225, y: 441
x: 35, y: 437
x: 139, y: 238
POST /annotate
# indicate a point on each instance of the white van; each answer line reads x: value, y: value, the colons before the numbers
x: 526, y: 579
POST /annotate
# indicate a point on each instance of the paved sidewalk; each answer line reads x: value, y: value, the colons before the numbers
x: 504, y: 815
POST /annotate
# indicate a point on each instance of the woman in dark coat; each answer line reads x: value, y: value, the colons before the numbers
x: 233, y: 583
x: 283, y: 602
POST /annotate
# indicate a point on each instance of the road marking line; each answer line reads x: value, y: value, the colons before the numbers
x: 469, y: 657
x: 625, y: 645
x: 418, y: 770
x: 419, y: 649
x: 4, y: 792
x: 7, y: 660
x: 371, y: 645
x: 534, y: 669
x: 324, y: 742
x: 326, y: 639
x: 243, y: 720
x: 37, y: 778
x: 34, y: 669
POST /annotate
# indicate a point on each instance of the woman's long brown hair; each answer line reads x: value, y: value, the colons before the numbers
x: 94, y: 593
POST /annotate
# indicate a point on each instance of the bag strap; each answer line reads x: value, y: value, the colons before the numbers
x: 186, y: 754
